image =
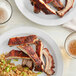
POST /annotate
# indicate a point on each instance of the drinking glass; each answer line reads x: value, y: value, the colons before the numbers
x: 5, y: 5
x: 71, y: 38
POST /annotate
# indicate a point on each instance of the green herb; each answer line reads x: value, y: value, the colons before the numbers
x: 3, y: 61
x: 8, y: 61
x: 39, y: 72
x: 7, y: 69
x: 26, y: 68
x: 23, y: 74
x: 1, y: 66
x: 13, y: 68
x: 15, y: 59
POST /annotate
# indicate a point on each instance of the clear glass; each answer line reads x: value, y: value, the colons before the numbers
x: 70, y: 38
x: 6, y: 6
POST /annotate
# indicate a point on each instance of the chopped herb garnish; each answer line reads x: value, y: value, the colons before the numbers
x: 26, y: 68
x: 3, y: 61
x: 39, y: 72
x: 7, y: 69
x: 23, y: 74
x: 13, y: 68
x: 8, y: 61
x: 1, y: 66
x: 15, y: 59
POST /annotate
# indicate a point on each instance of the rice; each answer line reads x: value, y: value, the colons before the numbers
x: 9, y: 69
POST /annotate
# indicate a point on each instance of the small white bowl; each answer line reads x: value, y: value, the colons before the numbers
x: 70, y: 38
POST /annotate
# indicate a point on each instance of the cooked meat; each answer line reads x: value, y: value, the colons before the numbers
x: 43, y: 7
x: 69, y: 5
x: 32, y: 2
x: 32, y: 54
x: 49, y: 62
x: 39, y: 47
x: 48, y: 1
x: 10, y: 69
x: 27, y: 63
x: 36, y: 9
x: 16, y: 54
x: 22, y: 40
x: 57, y: 4
x: 60, y: 3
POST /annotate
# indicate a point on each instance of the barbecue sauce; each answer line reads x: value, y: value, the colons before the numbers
x: 72, y: 47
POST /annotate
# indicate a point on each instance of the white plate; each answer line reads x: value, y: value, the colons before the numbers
x: 47, y: 20
x: 47, y: 41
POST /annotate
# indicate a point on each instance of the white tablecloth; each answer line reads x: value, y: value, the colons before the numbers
x: 58, y: 33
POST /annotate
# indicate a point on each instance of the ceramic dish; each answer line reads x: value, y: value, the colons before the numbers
x: 46, y: 20
x: 46, y: 39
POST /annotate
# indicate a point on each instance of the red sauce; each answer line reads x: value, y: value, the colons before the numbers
x: 72, y: 47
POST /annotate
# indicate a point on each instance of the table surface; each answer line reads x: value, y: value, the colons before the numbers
x: 57, y: 33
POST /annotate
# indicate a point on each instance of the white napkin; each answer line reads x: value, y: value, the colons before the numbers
x: 70, y: 25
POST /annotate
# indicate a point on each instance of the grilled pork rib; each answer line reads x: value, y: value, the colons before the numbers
x: 43, y: 6
x: 69, y: 5
x: 32, y: 54
x: 36, y: 9
x: 39, y: 51
x: 27, y: 63
x: 49, y: 62
x: 57, y: 4
x: 60, y: 3
x: 22, y: 40
x: 48, y: 1
x: 16, y: 54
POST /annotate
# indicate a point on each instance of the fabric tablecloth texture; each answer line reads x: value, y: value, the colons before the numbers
x: 71, y: 24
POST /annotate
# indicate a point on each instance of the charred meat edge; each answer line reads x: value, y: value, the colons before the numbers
x: 16, y: 54
x: 60, y: 3
x: 36, y: 9
x: 43, y: 7
x: 32, y: 54
x: 49, y: 62
x: 48, y: 1
x: 22, y: 40
x: 69, y: 5
x: 57, y: 4
x: 39, y: 47
x: 27, y: 63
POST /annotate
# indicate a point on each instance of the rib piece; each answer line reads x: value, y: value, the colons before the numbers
x: 60, y: 3
x: 27, y: 63
x: 69, y: 5
x: 32, y: 2
x: 48, y: 1
x: 57, y: 4
x: 44, y: 7
x: 32, y: 54
x: 16, y: 54
x: 39, y: 47
x: 49, y: 62
x: 22, y: 40
x: 36, y: 9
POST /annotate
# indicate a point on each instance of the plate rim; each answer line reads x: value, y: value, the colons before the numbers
x: 42, y: 22
x: 58, y: 54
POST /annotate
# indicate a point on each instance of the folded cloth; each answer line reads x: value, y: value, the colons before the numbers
x: 70, y: 25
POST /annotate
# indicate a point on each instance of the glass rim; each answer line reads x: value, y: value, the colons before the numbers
x: 11, y: 13
x: 66, y: 42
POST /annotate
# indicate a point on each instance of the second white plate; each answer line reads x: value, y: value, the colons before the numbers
x: 47, y: 20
